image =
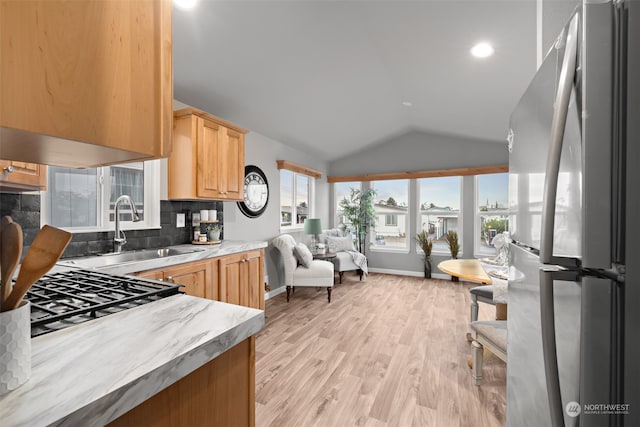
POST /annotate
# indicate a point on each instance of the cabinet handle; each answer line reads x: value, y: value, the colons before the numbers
x: 8, y: 169
x: 170, y: 279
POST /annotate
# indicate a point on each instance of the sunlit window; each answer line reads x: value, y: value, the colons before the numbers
x: 439, y: 209
x: 295, y: 187
x: 492, y: 218
x: 392, y: 208
x: 83, y: 199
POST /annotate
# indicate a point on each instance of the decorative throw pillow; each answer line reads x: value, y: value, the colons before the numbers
x: 303, y: 254
x: 341, y: 243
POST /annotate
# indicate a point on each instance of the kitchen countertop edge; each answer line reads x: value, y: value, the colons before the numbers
x: 62, y: 389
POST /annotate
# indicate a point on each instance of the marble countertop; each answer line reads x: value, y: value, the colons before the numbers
x: 227, y: 247
x: 94, y: 372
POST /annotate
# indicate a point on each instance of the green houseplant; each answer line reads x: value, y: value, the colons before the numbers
x: 454, y: 247
x: 359, y: 213
x: 213, y: 232
x: 426, y: 244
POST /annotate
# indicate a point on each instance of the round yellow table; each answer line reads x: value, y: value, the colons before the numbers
x: 471, y: 269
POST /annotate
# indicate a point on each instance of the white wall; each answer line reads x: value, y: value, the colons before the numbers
x: 263, y: 152
x: 418, y: 151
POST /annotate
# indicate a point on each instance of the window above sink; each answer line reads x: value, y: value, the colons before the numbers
x: 82, y: 200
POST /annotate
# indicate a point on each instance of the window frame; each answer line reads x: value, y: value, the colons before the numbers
x: 477, y: 222
x: 311, y: 184
x: 373, y: 232
x: 151, y: 202
x: 336, y: 208
x: 460, y: 217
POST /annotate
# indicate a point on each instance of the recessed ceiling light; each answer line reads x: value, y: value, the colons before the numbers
x: 482, y: 50
x: 407, y: 103
x: 185, y: 4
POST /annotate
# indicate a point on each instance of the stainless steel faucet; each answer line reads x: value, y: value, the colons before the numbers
x: 119, y: 238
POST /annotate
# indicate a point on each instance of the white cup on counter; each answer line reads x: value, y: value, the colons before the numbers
x: 213, y: 215
x: 204, y: 215
x: 15, y: 347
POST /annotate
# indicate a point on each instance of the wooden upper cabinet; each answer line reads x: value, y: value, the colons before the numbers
x: 207, y: 161
x: 85, y: 83
x: 21, y: 176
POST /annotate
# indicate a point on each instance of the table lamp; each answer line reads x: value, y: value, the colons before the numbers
x: 312, y: 226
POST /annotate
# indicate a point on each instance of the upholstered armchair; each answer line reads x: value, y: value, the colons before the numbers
x: 347, y: 258
x: 300, y: 269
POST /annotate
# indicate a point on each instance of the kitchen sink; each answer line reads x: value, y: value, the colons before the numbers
x: 108, y: 259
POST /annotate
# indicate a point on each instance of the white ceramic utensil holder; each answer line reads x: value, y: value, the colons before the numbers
x: 15, y: 347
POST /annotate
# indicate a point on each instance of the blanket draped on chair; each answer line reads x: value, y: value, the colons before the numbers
x: 359, y: 260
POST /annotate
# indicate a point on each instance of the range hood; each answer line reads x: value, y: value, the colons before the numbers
x: 50, y: 150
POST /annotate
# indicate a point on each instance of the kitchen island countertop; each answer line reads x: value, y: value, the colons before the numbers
x: 96, y: 371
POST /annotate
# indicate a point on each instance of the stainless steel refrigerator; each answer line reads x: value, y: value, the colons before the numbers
x: 573, y: 352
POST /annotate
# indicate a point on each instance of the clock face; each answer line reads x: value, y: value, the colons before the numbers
x: 256, y: 192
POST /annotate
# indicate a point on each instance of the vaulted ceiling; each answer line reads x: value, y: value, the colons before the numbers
x: 331, y: 77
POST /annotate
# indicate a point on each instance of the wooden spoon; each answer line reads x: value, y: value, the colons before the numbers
x: 43, y: 253
x: 11, y: 242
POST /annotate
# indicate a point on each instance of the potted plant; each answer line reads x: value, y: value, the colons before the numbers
x: 359, y: 213
x: 426, y: 244
x: 454, y: 247
x: 213, y: 232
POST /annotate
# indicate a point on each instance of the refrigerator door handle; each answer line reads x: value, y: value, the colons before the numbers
x: 558, y: 123
x: 549, y: 352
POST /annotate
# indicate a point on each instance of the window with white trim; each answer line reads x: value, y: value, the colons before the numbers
x: 492, y: 216
x: 82, y: 200
x: 392, y: 208
x: 439, y: 209
x: 296, y: 198
x: 342, y: 190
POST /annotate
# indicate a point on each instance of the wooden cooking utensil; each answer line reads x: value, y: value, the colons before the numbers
x: 11, y: 242
x: 43, y: 253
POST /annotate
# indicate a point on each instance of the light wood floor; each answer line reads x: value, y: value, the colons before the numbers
x: 387, y: 351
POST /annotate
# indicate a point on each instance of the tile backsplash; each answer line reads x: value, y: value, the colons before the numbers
x: 25, y: 210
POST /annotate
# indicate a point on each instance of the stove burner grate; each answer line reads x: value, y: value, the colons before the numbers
x: 63, y: 299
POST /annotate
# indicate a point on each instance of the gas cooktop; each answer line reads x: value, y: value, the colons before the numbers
x: 65, y: 299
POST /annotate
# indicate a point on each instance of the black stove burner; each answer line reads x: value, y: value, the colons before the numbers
x: 64, y: 299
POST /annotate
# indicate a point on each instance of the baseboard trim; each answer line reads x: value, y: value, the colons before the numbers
x: 408, y: 273
x: 274, y: 292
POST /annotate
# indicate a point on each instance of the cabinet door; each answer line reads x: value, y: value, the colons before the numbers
x: 232, y: 166
x: 200, y: 278
x: 254, y: 270
x: 241, y: 277
x: 209, y: 161
x: 29, y: 176
x: 96, y: 72
x: 194, y: 276
x: 231, y: 279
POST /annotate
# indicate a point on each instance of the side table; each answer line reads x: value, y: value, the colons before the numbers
x: 327, y: 256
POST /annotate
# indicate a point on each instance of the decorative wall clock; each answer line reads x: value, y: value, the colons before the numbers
x: 256, y: 192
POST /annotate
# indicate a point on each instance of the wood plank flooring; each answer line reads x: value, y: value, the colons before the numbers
x: 387, y: 351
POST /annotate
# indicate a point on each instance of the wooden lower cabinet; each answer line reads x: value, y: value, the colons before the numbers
x: 200, y: 278
x: 220, y: 393
x: 236, y: 278
x: 241, y: 278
